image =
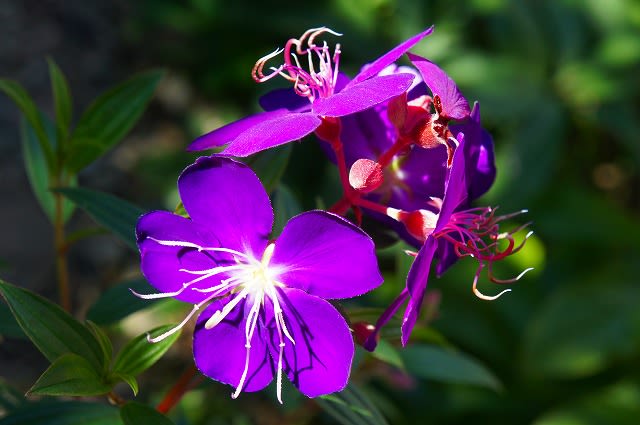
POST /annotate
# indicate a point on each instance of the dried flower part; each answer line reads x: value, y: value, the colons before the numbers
x: 365, y: 175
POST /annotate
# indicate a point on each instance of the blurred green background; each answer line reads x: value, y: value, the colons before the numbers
x: 559, y: 88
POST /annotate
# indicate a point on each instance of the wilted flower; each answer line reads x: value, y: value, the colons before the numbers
x: 263, y: 302
x: 469, y: 232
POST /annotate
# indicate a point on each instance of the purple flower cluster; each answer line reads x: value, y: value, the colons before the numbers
x: 410, y: 152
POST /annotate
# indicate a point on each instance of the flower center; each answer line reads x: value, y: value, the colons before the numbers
x: 248, y: 279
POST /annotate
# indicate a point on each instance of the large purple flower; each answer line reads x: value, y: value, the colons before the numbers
x: 321, y: 92
x: 263, y: 302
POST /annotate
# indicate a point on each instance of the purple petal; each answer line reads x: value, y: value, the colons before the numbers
x: 220, y: 352
x: 455, y: 191
x: 367, y: 133
x: 416, y: 285
x: 161, y: 264
x: 230, y: 131
x: 454, y: 105
x: 361, y: 96
x: 273, y: 132
x: 388, y: 58
x: 320, y: 361
x: 371, y: 342
x: 480, y: 159
x: 227, y: 197
x: 325, y: 255
x: 284, y: 99
x: 446, y: 254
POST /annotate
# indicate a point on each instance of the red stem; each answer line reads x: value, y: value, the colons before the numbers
x: 179, y: 389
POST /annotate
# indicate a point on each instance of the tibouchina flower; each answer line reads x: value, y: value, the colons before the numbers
x: 319, y: 92
x: 263, y: 302
x: 472, y: 232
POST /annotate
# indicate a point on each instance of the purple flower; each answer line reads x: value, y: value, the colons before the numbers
x: 263, y: 302
x: 322, y: 92
x: 471, y: 232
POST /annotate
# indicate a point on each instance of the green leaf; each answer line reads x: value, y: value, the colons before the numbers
x: 134, y: 413
x: 62, y: 100
x: 52, y: 330
x: 270, y: 164
x: 387, y: 353
x: 70, y: 375
x: 351, y: 407
x: 139, y: 354
x: 8, y: 324
x: 37, y: 170
x: 130, y: 380
x: 115, y: 214
x: 105, y: 343
x: 118, y: 302
x: 435, y: 363
x: 63, y: 413
x: 30, y: 111
x: 109, y: 119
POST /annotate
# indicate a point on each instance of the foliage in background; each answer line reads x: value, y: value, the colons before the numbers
x: 558, y: 85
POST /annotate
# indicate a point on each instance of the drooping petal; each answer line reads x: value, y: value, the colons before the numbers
x: 454, y: 105
x: 327, y: 256
x: 220, y: 352
x: 416, y: 286
x: 455, y: 191
x: 273, y: 132
x: 227, y: 197
x: 358, y: 97
x: 388, y: 58
x: 161, y: 263
x: 480, y: 158
x: 229, y: 132
x: 320, y: 361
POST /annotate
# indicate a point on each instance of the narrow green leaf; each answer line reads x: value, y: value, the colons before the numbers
x: 37, y: 170
x: 139, y: 354
x: 24, y: 102
x: 134, y: 413
x: 435, y: 363
x: 8, y: 324
x: 118, y: 302
x: 117, y: 215
x: 388, y: 354
x: 128, y: 379
x: 109, y: 119
x: 351, y: 407
x: 52, y: 330
x: 63, y: 413
x: 70, y: 375
x: 269, y: 165
x: 62, y: 100
x: 105, y: 344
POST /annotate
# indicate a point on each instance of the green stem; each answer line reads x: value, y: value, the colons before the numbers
x: 60, y: 247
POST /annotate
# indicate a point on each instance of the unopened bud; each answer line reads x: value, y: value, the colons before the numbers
x: 419, y: 223
x: 365, y: 175
x: 362, y: 331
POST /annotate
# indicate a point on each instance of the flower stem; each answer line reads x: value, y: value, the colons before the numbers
x: 60, y: 248
x: 179, y: 389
